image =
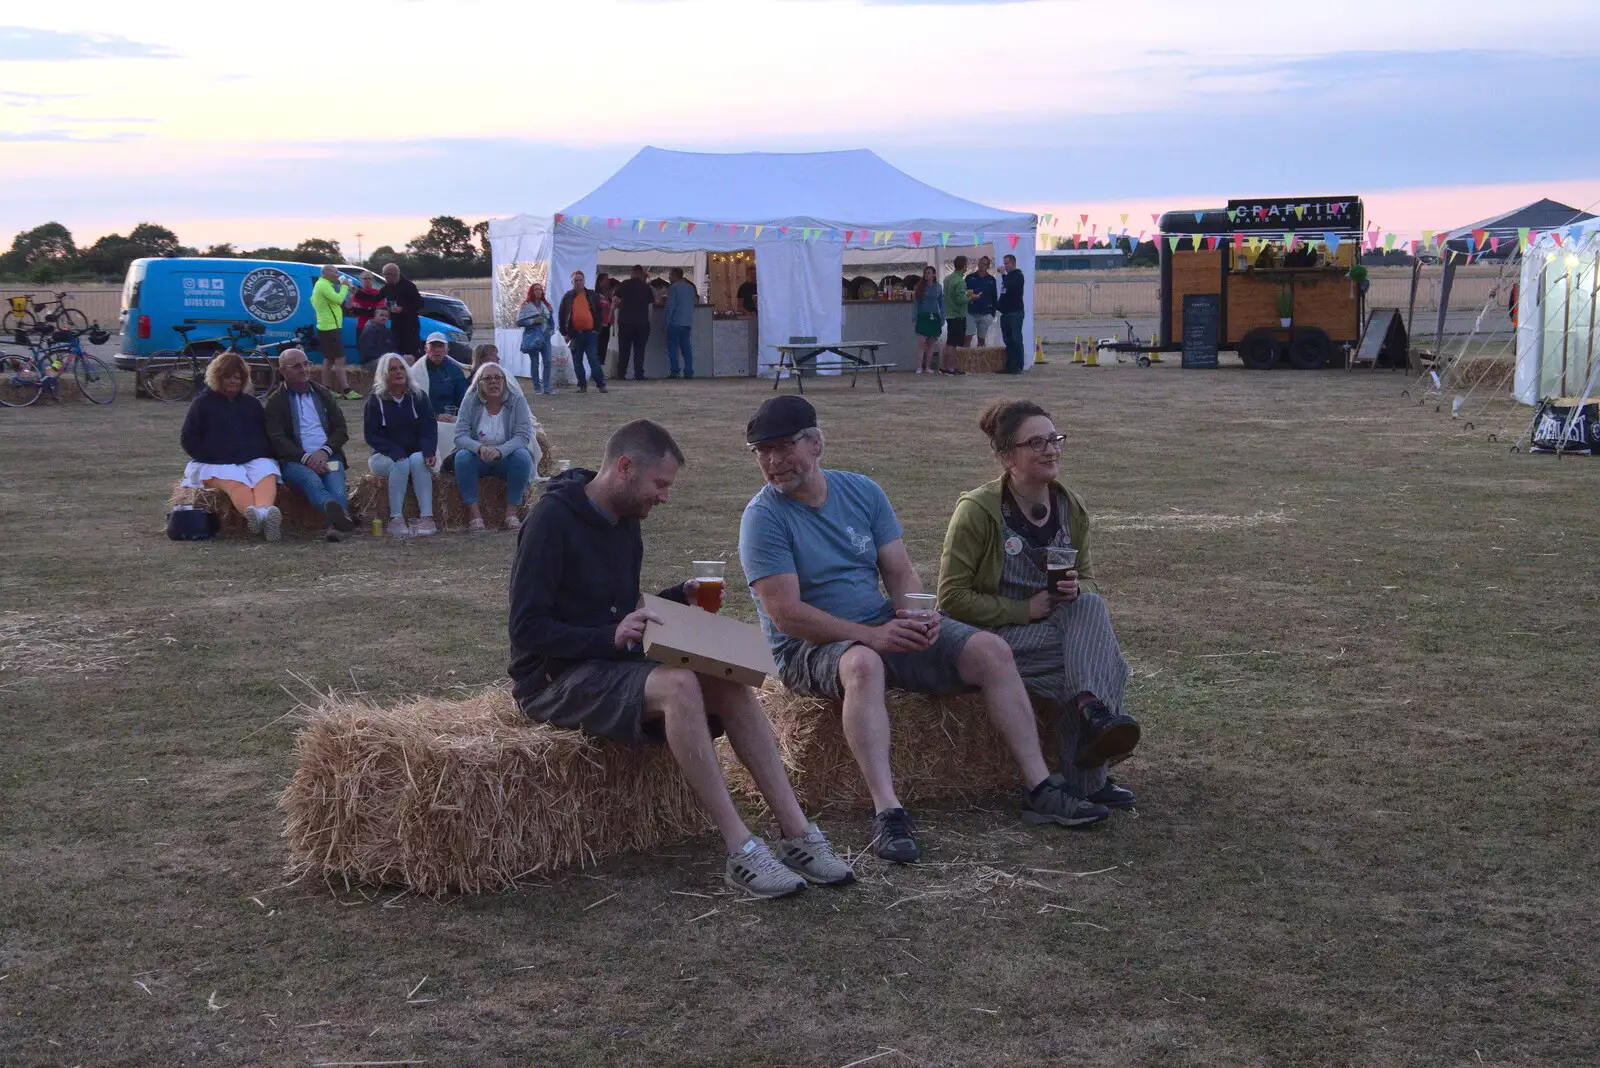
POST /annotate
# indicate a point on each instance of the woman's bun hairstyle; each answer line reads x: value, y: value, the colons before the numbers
x: 1000, y: 419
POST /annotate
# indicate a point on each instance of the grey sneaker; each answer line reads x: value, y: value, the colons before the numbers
x: 1049, y: 802
x: 253, y: 518
x: 272, y: 524
x: 894, y: 836
x: 810, y: 854
x: 757, y: 872
x: 423, y: 527
x: 397, y: 528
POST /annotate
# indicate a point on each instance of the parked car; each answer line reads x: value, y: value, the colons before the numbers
x: 159, y: 294
x: 447, y: 309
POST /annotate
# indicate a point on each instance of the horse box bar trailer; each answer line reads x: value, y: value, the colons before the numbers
x: 1251, y: 277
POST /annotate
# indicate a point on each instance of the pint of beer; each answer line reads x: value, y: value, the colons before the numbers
x: 1058, y: 562
x: 708, y: 580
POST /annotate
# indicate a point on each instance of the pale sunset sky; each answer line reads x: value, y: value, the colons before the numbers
x: 271, y: 122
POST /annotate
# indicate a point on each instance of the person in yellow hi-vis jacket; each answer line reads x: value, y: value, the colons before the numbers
x: 328, y: 299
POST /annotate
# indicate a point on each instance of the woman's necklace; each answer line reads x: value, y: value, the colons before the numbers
x: 1038, y: 511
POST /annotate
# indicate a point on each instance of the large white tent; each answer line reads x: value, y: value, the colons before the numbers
x: 1557, y: 353
x: 798, y: 211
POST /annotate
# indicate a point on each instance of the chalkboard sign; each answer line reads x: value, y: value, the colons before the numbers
x: 1202, y: 321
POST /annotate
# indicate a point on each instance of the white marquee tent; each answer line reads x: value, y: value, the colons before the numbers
x: 799, y: 211
x: 1557, y: 315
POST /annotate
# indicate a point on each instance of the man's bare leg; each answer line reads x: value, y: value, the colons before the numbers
x: 672, y: 695
x: 986, y: 663
x: 866, y: 722
x: 741, y: 715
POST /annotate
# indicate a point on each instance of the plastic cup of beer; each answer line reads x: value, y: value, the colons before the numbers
x: 921, y: 607
x: 564, y: 465
x: 708, y: 576
x: 1058, y: 561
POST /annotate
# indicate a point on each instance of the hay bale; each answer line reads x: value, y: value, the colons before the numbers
x: 1489, y: 372
x: 942, y: 747
x: 974, y: 361
x: 298, y: 515
x: 369, y: 500
x: 469, y: 795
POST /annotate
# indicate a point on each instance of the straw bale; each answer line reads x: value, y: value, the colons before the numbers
x: 942, y: 747
x: 298, y: 515
x: 469, y: 795
x: 974, y: 361
x: 1488, y: 372
x: 369, y: 500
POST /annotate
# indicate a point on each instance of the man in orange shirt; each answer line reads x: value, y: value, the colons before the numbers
x: 579, y: 318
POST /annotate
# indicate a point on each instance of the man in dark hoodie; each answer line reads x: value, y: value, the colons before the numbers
x: 575, y: 629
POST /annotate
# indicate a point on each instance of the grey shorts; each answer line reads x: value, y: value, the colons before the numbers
x: 604, y: 698
x: 813, y: 670
x: 979, y: 325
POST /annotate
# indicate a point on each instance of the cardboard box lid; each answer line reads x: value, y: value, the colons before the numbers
x: 707, y: 643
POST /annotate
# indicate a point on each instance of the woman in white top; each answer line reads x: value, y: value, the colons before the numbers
x: 494, y: 437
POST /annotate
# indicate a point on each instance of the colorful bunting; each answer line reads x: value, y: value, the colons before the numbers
x: 1082, y: 219
x: 1299, y: 211
x: 1494, y: 245
x: 916, y: 238
x: 1172, y: 241
x: 1199, y: 217
x: 1331, y: 239
x: 1012, y: 238
x: 944, y: 239
x: 1388, y: 242
x: 1124, y: 218
x: 583, y: 221
x: 559, y: 217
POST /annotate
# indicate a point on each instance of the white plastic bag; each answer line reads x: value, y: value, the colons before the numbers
x: 561, y: 373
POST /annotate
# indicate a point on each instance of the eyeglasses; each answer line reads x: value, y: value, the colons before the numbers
x: 1042, y: 444
x: 782, y: 445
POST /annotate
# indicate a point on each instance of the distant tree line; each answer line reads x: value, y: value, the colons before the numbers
x: 48, y: 255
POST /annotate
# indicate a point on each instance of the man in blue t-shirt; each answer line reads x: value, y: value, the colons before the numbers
x: 822, y: 552
x: 983, y: 292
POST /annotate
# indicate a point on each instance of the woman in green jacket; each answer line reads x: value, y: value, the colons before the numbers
x: 992, y: 575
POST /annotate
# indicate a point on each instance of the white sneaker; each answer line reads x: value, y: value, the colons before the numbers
x: 423, y: 527
x: 757, y: 872
x: 253, y: 519
x: 272, y: 524
x: 810, y: 855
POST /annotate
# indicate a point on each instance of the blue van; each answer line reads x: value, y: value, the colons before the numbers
x: 159, y: 294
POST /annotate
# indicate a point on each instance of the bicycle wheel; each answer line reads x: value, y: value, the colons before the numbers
x: 71, y: 319
x: 96, y: 379
x: 175, y: 379
x: 14, y: 321
x: 20, y: 383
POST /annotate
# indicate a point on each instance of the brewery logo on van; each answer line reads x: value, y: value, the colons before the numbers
x: 269, y: 294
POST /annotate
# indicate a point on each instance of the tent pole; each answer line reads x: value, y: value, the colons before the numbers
x: 1566, y: 328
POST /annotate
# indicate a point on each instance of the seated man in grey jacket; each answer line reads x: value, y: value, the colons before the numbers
x: 307, y: 434
x: 494, y: 437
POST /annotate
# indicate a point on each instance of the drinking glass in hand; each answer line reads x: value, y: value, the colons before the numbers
x: 921, y: 608
x: 708, y: 584
x: 1058, y: 562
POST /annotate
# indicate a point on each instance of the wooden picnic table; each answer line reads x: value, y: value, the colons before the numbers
x: 800, y: 358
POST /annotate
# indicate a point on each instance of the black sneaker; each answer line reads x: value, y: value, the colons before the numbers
x: 1105, y: 736
x: 1113, y: 796
x: 1049, y: 802
x: 601, y: 386
x: 894, y: 836
x: 338, y: 518
x: 583, y: 389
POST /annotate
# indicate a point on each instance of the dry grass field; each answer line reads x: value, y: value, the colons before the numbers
x: 1364, y: 650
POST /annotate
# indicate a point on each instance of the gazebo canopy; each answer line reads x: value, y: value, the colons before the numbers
x: 798, y: 211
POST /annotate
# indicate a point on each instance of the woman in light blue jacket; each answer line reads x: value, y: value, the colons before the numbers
x: 494, y: 437
x: 538, y: 322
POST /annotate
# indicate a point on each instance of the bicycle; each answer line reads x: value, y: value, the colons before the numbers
x: 24, y: 378
x: 176, y: 375
x: 24, y: 315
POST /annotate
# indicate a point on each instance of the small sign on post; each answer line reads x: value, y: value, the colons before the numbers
x: 1202, y: 322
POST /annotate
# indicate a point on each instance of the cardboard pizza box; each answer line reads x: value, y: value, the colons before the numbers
x: 707, y: 644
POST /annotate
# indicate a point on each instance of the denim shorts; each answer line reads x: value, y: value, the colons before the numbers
x: 813, y: 670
